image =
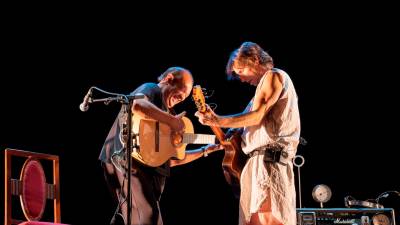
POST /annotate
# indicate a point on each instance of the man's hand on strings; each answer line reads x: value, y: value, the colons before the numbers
x: 177, y: 125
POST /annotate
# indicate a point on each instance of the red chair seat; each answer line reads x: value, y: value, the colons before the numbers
x: 40, y: 223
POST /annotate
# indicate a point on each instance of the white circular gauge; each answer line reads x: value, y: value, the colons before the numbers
x: 321, y: 193
x: 380, y: 219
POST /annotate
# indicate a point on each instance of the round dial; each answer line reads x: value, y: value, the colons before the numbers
x: 321, y: 193
x: 380, y: 219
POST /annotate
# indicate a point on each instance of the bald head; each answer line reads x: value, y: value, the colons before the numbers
x: 179, y: 75
x: 176, y: 85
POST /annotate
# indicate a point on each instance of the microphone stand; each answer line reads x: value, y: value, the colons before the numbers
x: 127, y: 101
x: 128, y: 108
x: 129, y: 148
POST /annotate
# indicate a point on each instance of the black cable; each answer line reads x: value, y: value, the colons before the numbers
x: 385, y: 195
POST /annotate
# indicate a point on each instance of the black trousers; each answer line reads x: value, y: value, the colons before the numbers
x: 146, y: 188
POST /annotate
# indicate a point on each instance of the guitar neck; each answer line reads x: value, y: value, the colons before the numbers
x: 218, y: 133
x: 199, y: 99
x: 189, y: 138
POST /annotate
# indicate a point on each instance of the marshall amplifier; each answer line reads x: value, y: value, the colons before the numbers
x: 345, y: 216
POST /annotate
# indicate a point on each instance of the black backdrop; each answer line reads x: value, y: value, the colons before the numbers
x: 343, y: 66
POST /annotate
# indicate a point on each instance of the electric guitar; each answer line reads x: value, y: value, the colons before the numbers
x: 234, y: 159
x: 157, y: 143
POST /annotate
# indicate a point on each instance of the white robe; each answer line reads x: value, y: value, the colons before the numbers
x: 260, y: 180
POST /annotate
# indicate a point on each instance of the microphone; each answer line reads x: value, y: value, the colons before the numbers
x: 84, y: 106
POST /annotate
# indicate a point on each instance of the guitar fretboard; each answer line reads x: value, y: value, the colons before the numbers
x: 198, y: 138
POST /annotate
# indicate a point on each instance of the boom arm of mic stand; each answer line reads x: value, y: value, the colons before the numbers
x: 121, y: 98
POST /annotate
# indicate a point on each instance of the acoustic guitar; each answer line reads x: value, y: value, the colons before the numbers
x: 158, y: 143
x: 234, y: 159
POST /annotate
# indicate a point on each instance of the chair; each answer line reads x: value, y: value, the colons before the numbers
x: 31, y: 187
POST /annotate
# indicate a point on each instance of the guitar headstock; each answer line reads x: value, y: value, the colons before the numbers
x: 198, y: 98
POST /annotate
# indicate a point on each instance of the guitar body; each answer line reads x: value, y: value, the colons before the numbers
x: 157, y: 143
x: 234, y: 160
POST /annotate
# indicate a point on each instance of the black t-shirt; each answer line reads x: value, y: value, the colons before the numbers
x: 113, y: 142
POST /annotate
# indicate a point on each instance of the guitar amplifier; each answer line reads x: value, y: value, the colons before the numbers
x: 347, y: 216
